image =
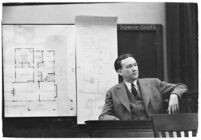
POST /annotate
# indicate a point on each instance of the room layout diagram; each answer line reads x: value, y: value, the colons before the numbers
x: 39, y: 70
x: 34, y: 87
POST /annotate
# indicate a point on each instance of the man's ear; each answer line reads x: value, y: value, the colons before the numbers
x: 119, y: 72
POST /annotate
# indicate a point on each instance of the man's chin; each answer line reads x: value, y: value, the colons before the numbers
x: 135, y: 78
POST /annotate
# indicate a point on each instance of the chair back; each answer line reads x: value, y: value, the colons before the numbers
x: 175, y: 125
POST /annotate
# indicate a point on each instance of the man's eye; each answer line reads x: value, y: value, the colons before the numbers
x: 129, y: 66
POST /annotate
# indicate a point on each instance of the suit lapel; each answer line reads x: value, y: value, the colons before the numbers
x: 145, y: 90
x: 122, y: 95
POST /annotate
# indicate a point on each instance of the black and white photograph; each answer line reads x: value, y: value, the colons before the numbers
x: 99, y: 69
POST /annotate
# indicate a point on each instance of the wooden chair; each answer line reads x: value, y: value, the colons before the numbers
x: 175, y: 125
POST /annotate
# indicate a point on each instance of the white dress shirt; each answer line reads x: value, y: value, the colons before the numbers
x: 128, y: 85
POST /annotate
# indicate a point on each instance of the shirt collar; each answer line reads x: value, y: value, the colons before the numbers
x: 128, y: 84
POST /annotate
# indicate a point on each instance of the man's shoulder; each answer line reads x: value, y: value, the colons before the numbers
x: 119, y: 85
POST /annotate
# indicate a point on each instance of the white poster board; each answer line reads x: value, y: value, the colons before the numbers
x: 96, y: 51
x: 39, y: 70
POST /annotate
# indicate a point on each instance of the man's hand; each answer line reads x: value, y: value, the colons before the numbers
x: 109, y: 117
x: 173, y: 104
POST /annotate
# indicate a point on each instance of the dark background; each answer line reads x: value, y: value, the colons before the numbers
x: 144, y: 42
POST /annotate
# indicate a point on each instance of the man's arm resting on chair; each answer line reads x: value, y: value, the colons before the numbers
x: 175, y: 92
x: 175, y: 95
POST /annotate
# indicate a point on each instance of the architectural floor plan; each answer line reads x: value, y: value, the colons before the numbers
x: 37, y: 60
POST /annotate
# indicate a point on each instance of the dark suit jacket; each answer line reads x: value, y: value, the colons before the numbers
x: 153, y: 92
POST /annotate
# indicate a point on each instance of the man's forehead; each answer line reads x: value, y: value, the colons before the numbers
x: 129, y: 60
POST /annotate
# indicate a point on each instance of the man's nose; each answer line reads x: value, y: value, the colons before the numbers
x: 134, y: 68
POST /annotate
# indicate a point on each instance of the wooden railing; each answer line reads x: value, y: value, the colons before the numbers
x: 161, y: 125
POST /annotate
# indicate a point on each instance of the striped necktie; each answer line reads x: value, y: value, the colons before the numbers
x: 133, y: 90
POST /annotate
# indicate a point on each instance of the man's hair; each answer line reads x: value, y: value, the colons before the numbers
x: 117, y: 63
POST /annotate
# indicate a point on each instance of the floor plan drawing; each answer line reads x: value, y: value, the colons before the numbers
x: 34, y: 79
x: 39, y: 71
x: 36, y: 67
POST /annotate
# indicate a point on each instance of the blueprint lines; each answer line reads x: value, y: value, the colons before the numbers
x: 39, y: 70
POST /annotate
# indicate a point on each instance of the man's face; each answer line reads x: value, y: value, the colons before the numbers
x: 129, y: 69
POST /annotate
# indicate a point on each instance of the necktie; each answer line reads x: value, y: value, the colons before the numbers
x: 133, y: 90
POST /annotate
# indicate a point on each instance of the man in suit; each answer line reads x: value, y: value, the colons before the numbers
x: 138, y: 99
